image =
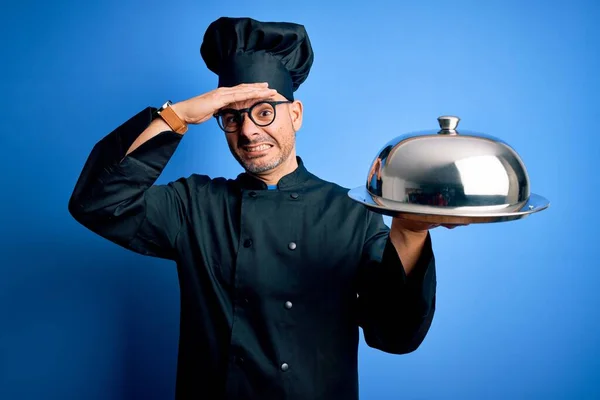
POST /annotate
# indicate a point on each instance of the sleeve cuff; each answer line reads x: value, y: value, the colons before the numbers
x: 421, y: 283
x: 156, y: 152
x: 420, y: 271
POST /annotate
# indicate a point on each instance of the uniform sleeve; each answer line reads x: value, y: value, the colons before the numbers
x: 115, y: 195
x: 395, y: 310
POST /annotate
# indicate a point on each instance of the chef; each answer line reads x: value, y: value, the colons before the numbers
x: 278, y: 268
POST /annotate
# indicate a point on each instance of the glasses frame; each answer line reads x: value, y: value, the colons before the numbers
x: 239, y: 114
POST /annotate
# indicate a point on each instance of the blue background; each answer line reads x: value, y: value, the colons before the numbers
x: 517, y: 317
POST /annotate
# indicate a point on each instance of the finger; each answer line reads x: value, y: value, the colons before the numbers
x: 243, y: 86
x: 249, y: 92
x: 452, y: 226
x: 243, y: 95
x: 255, y: 84
x: 252, y: 84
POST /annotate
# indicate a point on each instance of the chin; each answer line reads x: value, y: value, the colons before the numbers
x: 258, y: 165
x: 258, y: 168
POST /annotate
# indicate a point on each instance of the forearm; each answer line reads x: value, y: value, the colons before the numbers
x: 157, y: 126
x: 409, y: 246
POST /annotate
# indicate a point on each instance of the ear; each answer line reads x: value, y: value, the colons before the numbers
x: 296, y: 110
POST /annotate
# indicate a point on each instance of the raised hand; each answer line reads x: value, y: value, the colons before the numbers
x: 199, y: 109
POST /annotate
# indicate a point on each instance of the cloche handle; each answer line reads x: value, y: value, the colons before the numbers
x: 448, y: 124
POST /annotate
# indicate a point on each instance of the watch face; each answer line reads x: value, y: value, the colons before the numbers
x: 167, y: 104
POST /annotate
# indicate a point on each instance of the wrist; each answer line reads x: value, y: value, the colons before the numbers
x: 401, y: 235
x: 179, y: 109
x: 170, y: 114
x: 410, y: 228
x: 407, y: 236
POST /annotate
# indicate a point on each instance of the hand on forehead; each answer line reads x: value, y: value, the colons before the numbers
x: 238, y: 105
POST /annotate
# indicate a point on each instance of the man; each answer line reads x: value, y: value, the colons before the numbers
x: 278, y: 268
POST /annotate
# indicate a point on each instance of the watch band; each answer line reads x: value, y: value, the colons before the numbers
x: 172, y: 119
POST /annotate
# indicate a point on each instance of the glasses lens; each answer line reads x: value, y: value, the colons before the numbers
x: 263, y: 114
x: 229, y: 121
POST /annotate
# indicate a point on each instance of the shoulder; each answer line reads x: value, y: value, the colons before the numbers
x: 336, y: 194
x: 335, y: 200
x: 334, y: 188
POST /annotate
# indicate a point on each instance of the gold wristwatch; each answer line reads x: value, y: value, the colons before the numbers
x: 171, y: 118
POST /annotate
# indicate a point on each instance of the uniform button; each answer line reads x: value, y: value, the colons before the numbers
x: 285, y: 367
x: 239, y: 360
x: 288, y: 304
x: 294, y: 196
x: 247, y: 242
x: 292, y: 246
x: 252, y: 194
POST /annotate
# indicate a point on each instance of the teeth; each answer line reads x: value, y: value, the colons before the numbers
x: 257, y: 148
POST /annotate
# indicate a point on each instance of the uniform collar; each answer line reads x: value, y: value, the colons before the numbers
x: 299, y: 176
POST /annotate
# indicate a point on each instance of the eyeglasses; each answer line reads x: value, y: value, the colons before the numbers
x: 262, y: 114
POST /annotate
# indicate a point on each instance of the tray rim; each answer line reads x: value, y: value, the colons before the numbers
x: 535, y: 203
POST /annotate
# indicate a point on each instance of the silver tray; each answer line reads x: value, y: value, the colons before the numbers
x: 445, y: 215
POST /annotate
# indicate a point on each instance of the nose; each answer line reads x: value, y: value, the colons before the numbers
x: 248, y: 127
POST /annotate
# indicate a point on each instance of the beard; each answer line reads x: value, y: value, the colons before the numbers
x: 277, y: 154
x: 260, y: 167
